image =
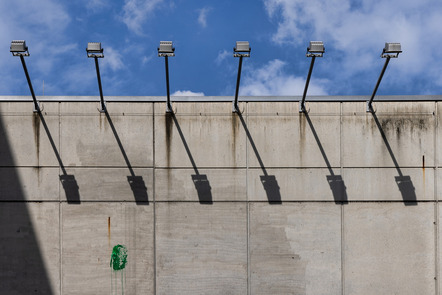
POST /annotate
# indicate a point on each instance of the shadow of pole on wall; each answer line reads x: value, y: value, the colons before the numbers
x: 335, y: 181
x: 269, y: 182
x: 136, y: 183
x: 68, y: 182
x: 200, y: 181
x: 403, y: 182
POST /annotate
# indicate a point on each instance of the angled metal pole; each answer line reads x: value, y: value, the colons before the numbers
x: 302, y: 105
x: 36, y: 105
x: 238, y: 79
x: 369, y: 103
x: 103, y: 105
x: 168, y: 106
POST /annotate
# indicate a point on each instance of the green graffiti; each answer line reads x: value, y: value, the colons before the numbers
x: 119, y: 257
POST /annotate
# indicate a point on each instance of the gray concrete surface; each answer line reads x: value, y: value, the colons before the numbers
x: 338, y: 201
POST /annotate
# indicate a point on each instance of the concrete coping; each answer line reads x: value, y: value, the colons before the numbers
x: 386, y: 98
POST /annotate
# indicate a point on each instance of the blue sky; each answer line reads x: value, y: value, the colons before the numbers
x: 204, y: 34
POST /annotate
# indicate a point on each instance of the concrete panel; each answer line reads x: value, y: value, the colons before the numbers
x: 89, y: 233
x: 29, y: 248
x: 399, y: 134
x: 30, y: 184
x: 201, y: 249
x: 89, y: 138
x: 112, y: 184
x: 309, y: 141
x: 386, y: 184
x: 389, y: 248
x: 303, y: 184
x: 208, y: 185
x: 295, y: 248
x: 26, y: 137
x: 439, y: 133
x: 200, y: 135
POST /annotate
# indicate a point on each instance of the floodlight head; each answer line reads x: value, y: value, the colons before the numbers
x: 18, y: 47
x: 242, y: 48
x: 391, y: 50
x: 316, y: 49
x: 94, y: 49
x: 166, y: 49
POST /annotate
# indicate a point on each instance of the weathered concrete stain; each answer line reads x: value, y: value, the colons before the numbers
x: 403, y: 125
x: 235, y: 126
x: 36, y: 128
x: 109, y: 230
x: 302, y: 136
x: 168, y: 120
x: 423, y: 172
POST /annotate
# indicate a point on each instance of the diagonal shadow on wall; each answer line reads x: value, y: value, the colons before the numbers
x: 403, y: 182
x: 335, y: 181
x: 269, y: 182
x: 136, y: 183
x: 22, y: 268
x: 68, y: 182
x: 200, y: 181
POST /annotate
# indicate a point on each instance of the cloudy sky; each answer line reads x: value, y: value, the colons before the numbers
x: 204, y: 34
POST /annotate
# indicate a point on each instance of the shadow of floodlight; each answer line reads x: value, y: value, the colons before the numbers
x: 68, y: 182
x: 403, y: 182
x: 136, y: 183
x: 200, y: 181
x: 269, y: 182
x: 336, y: 183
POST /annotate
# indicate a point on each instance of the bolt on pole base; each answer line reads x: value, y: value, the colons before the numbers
x: 235, y: 108
x: 169, y: 108
x: 370, y: 107
x: 37, y: 108
x: 102, y: 108
x: 302, y: 107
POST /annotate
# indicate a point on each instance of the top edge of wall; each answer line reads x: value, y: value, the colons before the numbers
x: 341, y: 98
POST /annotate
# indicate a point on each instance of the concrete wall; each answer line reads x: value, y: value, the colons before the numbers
x: 336, y: 201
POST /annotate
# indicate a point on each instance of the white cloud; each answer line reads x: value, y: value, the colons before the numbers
x: 113, y: 59
x: 272, y: 80
x: 146, y: 59
x: 202, y: 16
x: 42, y: 24
x: 359, y: 29
x: 222, y: 55
x: 135, y: 13
x: 187, y: 93
x: 95, y: 5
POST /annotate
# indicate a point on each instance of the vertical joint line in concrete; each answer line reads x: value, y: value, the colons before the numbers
x: 342, y: 205
x: 247, y: 205
x: 60, y: 216
x: 154, y: 204
x: 342, y: 251
x: 436, y: 198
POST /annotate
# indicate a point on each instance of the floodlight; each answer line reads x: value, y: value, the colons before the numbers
x: 242, y: 49
x: 391, y: 50
x: 316, y: 49
x: 165, y: 50
x: 94, y: 50
x: 19, y: 48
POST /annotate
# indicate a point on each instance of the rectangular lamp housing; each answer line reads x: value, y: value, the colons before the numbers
x: 316, y: 47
